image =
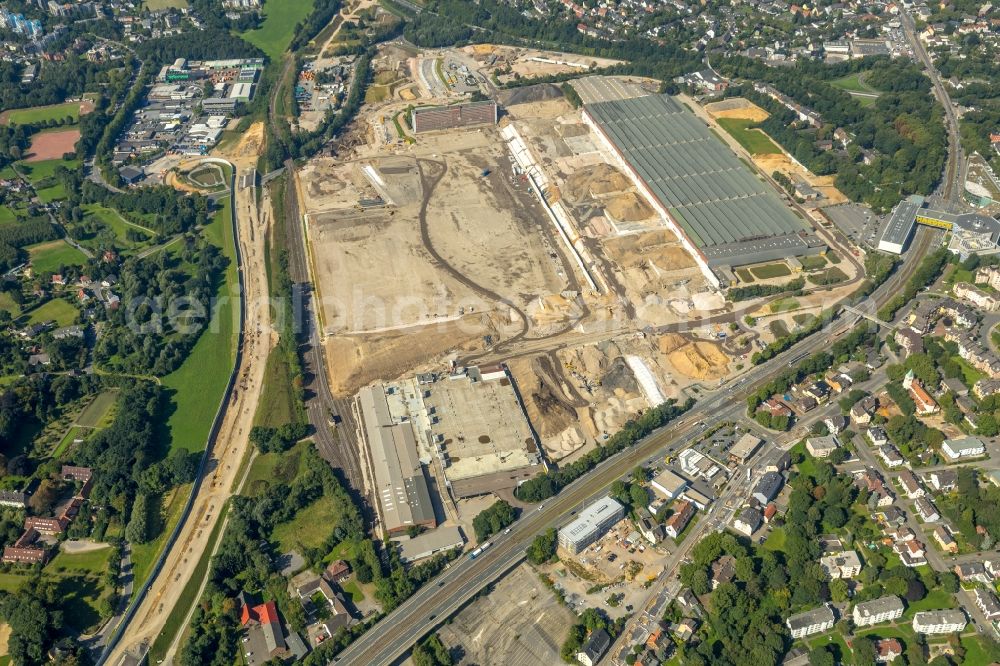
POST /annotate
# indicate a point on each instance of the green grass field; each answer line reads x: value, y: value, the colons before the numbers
x: 813, y: 263
x: 94, y: 414
x: 853, y: 83
x: 57, y: 310
x: 154, y: 5
x: 7, y: 303
x: 935, y: 600
x: 775, y: 540
x: 92, y: 561
x: 309, y: 528
x: 352, y: 588
x: 745, y: 132
x: 72, y: 434
x: 198, y: 385
x: 276, y: 32
x: 969, y: 374
x: 768, y: 271
x: 145, y: 554
x: 51, y: 256
x: 40, y: 175
x: 41, y: 114
x: 784, y: 305
x: 111, y: 219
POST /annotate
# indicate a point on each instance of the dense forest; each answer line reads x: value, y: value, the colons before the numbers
x: 56, y: 81
x: 903, y: 130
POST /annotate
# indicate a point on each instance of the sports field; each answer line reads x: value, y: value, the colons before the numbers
x: 276, y: 32
x: 41, y: 114
x: 52, y: 145
x: 746, y: 133
x: 51, y: 256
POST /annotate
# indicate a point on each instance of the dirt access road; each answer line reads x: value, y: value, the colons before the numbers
x: 229, y: 447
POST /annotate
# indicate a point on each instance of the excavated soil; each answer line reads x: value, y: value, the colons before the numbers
x: 695, y: 359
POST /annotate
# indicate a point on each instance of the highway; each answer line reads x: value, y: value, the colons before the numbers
x: 432, y: 604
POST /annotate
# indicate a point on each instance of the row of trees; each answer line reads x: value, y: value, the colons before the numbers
x: 493, y: 519
x: 752, y: 291
x: 929, y: 269
x: 550, y: 483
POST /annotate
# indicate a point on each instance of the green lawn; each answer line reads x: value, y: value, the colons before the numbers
x: 767, y: 271
x: 198, y: 385
x: 36, y: 172
x: 71, y: 435
x: 784, y: 305
x: 7, y: 215
x: 154, y: 5
x: 7, y: 303
x: 775, y: 540
x: 93, y: 561
x: 93, y: 415
x: 41, y: 114
x: 265, y: 468
x: 277, y: 401
x: 351, y: 587
x: 852, y: 83
x: 112, y: 220
x: 969, y: 374
x: 62, y: 312
x: 309, y: 528
x: 276, y: 32
x: 747, y: 135
x: 813, y: 263
x: 51, y: 256
x: 935, y: 600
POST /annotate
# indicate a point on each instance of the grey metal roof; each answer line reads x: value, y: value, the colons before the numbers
x: 715, y: 198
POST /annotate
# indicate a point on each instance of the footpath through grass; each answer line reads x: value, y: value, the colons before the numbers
x: 279, y: 24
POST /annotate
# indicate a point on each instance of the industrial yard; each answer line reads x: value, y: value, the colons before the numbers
x: 514, y: 239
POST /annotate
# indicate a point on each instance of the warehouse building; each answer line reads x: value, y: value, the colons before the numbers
x: 592, y: 523
x: 403, y: 494
x: 722, y: 213
x: 431, y: 118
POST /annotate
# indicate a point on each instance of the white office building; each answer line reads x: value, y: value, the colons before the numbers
x: 592, y: 523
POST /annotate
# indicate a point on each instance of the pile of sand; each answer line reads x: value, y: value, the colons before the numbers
x: 596, y: 180
x: 628, y: 207
x: 697, y: 360
x: 736, y: 107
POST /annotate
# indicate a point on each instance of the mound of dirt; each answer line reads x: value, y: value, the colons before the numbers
x: 619, y: 376
x: 672, y: 341
x: 628, y: 207
x: 700, y: 360
x: 596, y: 180
x: 528, y: 94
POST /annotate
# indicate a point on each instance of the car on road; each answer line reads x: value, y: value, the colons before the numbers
x: 507, y: 531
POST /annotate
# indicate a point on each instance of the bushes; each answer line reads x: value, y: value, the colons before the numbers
x: 543, y: 547
x: 490, y: 521
x: 757, y: 290
x: 137, y: 530
x: 270, y: 440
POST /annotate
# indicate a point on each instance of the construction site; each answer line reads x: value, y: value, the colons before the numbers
x: 509, y: 232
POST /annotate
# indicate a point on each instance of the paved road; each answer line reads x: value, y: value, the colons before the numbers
x: 433, y: 603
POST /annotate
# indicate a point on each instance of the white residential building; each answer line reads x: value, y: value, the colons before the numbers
x: 811, y: 622
x: 939, y: 622
x: 883, y: 609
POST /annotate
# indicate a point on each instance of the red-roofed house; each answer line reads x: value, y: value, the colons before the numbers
x: 264, y: 619
x: 887, y: 649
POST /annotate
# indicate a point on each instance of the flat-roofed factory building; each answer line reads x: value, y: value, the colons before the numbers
x: 971, y: 233
x: 400, y: 485
x: 723, y: 214
x: 431, y: 118
x: 592, y: 523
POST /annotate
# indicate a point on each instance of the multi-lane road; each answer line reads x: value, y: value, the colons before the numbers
x: 433, y: 603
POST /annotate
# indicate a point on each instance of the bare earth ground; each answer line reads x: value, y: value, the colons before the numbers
x: 52, y: 145
x: 519, y: 622
x: 232, y: 442
x: 742, y: 108
x: 519, y: 61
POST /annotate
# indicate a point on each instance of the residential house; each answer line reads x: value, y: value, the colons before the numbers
x: 965, y: 447
x: 972, y: 572
x: 13, y: 498
x: 943, y: 480
x: 909, y: 341
x: 338, y: 570
x: 767, y: 487
x: 818, y: 391
x: 845, y: 564
x: 877, y: 436
x: 682, y: 515
x: 981, y: 299
x: 723, y: 570
x: 887, y: 650
x: 987, y: 602
x: 911, y: 552
x: 939, y: 622
x: 876, y: 611
x: 862, y: 410
x: 926, y: 510
x: 595, y: 647
x: 942, y: 534
x: 811, y: 622
x: 822, y: 447
x: 748, y: 521
x: 891, y: 456
x: 836, y: 424
x: 910, y: 484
